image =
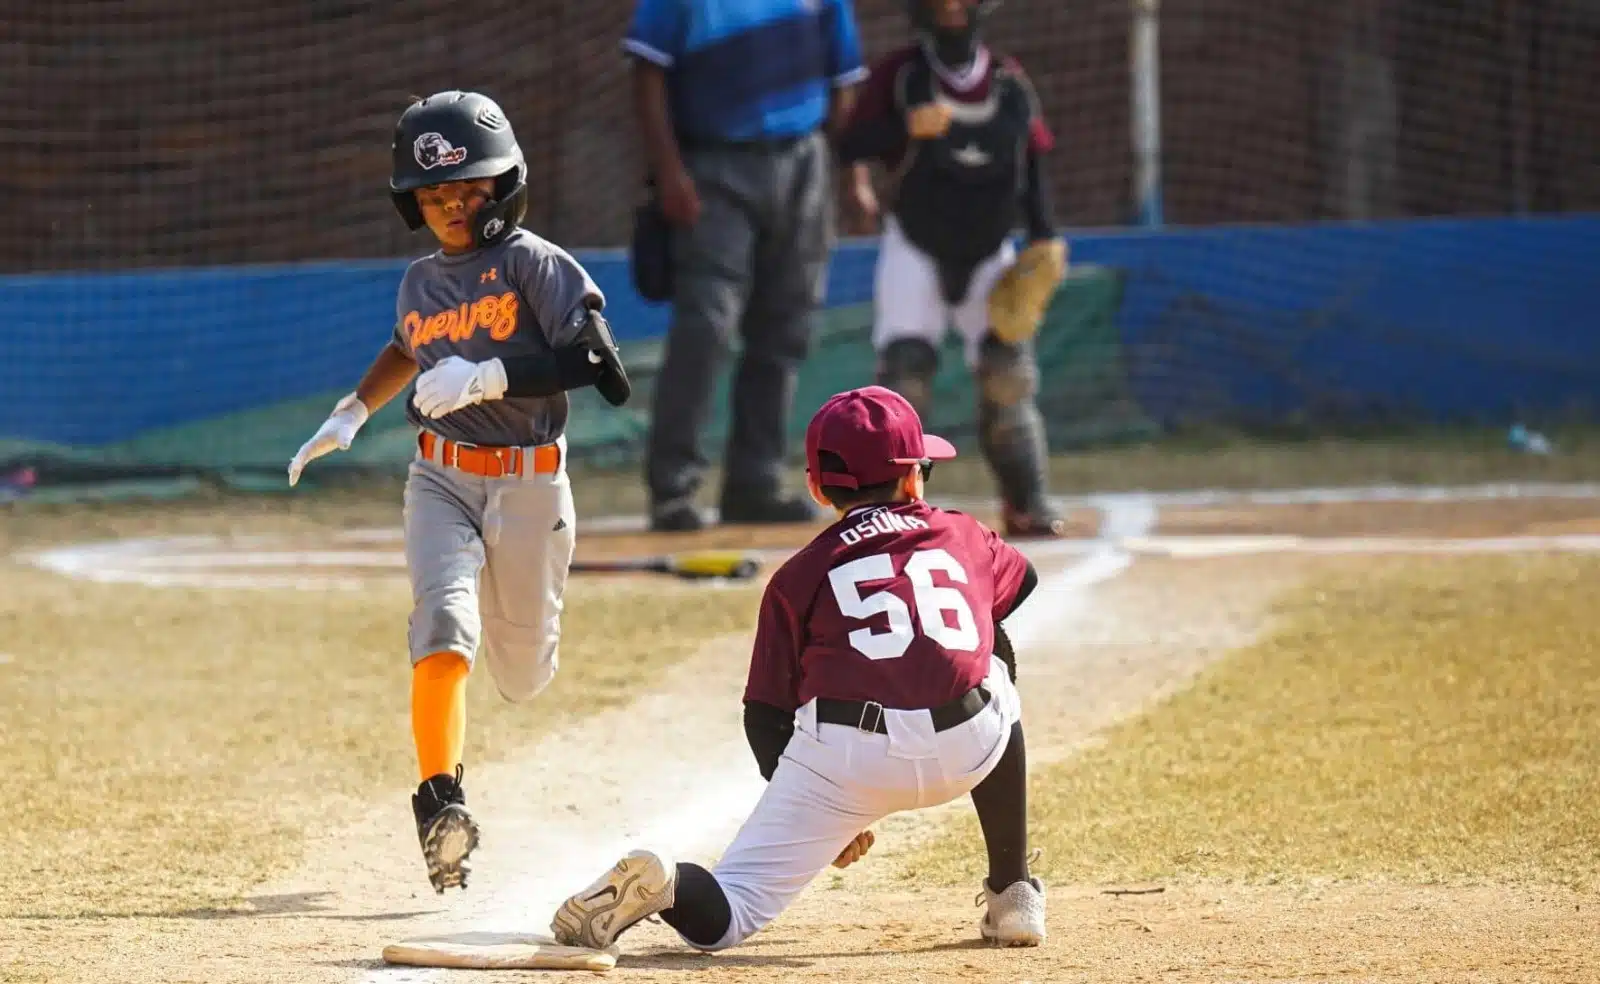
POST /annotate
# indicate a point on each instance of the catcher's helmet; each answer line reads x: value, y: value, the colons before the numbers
x: 922, y: 15
x: 460, y: 136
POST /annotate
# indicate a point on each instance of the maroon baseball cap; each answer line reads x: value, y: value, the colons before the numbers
x: 877, y: 433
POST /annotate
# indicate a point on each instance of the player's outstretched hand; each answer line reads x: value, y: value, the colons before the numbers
x: 454, y: 383
x: 855, y: 850
x: 335, y: 434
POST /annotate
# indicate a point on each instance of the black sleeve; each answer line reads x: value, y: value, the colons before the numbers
x: 872, y: 140
x: 549, y: 373
x: 1030, y: 580
x: 1036, y: 208
x: 768, y: 729
x: 1004, y: 650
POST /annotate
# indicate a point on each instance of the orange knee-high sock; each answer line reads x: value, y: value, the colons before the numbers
x: 439, y: 712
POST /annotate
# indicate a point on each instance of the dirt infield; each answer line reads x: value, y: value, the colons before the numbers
x: 651, y: 751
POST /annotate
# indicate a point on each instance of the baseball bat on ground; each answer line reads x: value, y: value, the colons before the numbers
x: 691, y: 565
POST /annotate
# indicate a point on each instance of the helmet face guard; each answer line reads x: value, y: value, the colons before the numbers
x: 459, y: 136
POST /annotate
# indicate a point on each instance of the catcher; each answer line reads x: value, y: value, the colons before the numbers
x: 880, y: 681
x: 961, y: 131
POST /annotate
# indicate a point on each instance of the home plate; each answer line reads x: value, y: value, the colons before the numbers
x: 497, y: 951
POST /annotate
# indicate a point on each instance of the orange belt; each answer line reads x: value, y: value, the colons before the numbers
x: 490, y: 462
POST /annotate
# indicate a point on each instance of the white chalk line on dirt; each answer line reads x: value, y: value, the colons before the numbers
x: 1236, y: 546
x: 268, y: 561
x: 695, y: 804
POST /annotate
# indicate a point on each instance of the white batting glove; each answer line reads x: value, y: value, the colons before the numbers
x: 336, y: 433
x: 455, y: 383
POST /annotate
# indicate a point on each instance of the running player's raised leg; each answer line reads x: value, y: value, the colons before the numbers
x: 529, y: 528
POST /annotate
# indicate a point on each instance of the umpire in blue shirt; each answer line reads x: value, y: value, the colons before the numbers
x: 734, y: 99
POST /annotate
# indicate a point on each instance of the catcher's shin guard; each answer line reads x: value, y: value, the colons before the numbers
x: 907, y: 366
x: 446, y: 830
x: 1012, y: 436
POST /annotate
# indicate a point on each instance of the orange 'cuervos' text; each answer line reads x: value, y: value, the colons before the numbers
x: 497, y: 313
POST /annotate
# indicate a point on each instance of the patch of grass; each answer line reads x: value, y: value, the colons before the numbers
x: 164, y: 749
x: 1422, y: 721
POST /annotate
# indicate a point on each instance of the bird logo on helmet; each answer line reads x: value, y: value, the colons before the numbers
x: 433, y: 150
x: 459, y: 136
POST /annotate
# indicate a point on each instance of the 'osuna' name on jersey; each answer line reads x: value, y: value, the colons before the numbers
x: 877, y: 522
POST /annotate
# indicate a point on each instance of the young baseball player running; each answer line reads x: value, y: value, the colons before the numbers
x: 501, y: 324
x: 961, y: 130
x: 879, y: 683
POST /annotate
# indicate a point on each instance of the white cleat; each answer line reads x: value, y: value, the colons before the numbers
x: 636, y: 888
x: 1015, y: 917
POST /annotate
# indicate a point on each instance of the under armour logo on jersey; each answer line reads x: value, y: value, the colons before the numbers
x: 492, y: 273
x: 432, y: 150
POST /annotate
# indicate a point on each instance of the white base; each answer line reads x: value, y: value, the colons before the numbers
x: 497, y: 951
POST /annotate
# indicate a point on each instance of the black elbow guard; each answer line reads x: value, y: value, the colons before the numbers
x: 611, y: 377
x: 550, y: 373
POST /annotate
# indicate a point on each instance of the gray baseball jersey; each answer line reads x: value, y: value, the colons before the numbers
x: 521, y: 296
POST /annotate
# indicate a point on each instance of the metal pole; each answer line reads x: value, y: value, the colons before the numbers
x: 1144, y: 64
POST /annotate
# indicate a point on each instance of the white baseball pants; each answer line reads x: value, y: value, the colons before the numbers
x: 908, y: 301
x: 835, y: 781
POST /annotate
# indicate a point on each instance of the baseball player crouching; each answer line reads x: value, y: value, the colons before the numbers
x: 881, y: 681
x: 501, y: 324
x: 962, y: 132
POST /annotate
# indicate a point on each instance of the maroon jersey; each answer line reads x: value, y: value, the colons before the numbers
x: 893, y: 603
x: 883, y: 93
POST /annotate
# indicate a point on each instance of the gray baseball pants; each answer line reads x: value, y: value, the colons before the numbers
x: 488, y: 559
x: 753, y: 267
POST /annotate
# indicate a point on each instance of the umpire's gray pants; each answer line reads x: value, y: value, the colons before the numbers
x: 754, y: 264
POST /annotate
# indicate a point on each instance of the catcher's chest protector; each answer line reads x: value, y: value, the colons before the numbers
x: 958, y: 194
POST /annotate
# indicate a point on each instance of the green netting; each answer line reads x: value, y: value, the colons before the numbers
x: 1082, y: 393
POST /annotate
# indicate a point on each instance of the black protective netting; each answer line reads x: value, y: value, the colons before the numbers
x: 144, y: 133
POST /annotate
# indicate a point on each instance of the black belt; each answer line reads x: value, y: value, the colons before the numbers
x: 867, y: 715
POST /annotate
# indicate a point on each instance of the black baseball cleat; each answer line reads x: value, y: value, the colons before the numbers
x: 446, y: 830
x: 766, y: 510
x: 680, y: 516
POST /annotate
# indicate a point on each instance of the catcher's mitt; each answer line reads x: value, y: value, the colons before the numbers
x: 1019, y: 299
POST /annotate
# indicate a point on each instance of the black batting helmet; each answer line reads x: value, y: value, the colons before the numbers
x: 460, y: 136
